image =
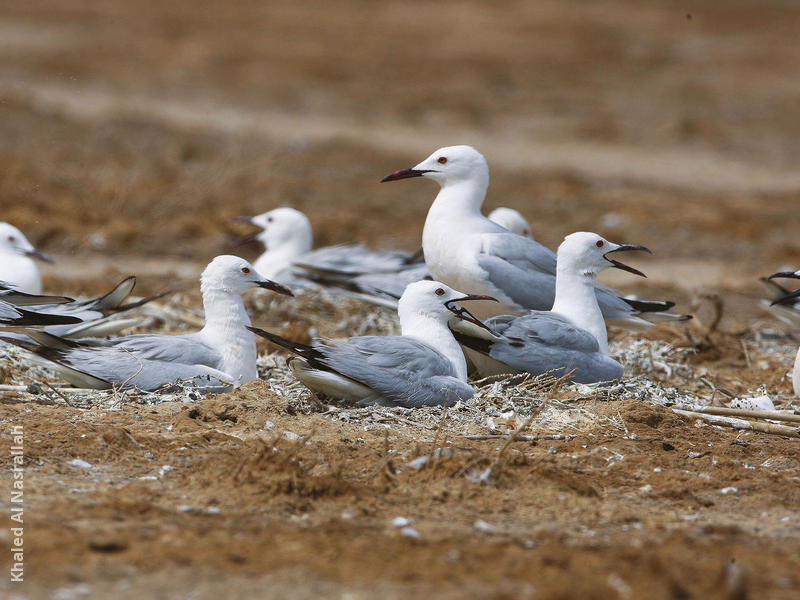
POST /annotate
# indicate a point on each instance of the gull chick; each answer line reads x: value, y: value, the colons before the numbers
x: 221, y: 354
x: 466, y: 250
x: 17, y: 265
x: 422, y: 367
x: 571, y: 336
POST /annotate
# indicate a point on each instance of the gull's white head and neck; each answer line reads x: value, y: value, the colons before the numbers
x: 222, y: 284
x: 424, y: 310
x: 581, y: 257
x: 16, y: 260
x: 463, y: 174
x: 286, y: 235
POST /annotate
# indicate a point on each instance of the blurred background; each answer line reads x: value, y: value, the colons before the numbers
x: 131, y: 131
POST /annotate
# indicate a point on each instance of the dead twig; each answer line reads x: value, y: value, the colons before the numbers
x: 520, y: 438
x: 773, y: 415
x: 784, y: 430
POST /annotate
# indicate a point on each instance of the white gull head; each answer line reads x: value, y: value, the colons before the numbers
x: 511, y: 220
x: 581, y: 256
x: 17, y: 266
x: 286, y: 235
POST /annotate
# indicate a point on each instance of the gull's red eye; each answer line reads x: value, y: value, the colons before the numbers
x: 439, y: 292
x: 599, y: 243
x: 441, y: 160
x: 269, y: 219
x: 245, y: 269
x: 11, y: 238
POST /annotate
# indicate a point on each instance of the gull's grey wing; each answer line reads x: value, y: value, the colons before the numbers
x: 354, y: 259
x: 99, y: 365
x: 540, y: 342
x: 399, y: 368
x: 186, y: 349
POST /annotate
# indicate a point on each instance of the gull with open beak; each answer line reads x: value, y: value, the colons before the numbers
x: 221, y: 355
x: 17, y: 264
x: 466, y: 250
x: 570, y: 337
x: 424, y: 366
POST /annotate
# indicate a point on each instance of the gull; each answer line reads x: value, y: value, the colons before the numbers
x: 286, y: 235
x: 95, y: 317
x: 511, y: 220
x: 17, y: 266
x: 789, y: 303
x: 570, y: 336
x: 422, y: 367
x: 466, y: 250
x: 221, y: 354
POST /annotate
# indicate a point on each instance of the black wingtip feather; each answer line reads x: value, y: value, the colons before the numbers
x: 646, y: 306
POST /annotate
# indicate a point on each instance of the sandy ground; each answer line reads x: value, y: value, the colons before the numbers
x: 131, y: 131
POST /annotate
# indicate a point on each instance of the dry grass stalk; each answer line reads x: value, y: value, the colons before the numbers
x: 773, y: 415
x: 784, y: 430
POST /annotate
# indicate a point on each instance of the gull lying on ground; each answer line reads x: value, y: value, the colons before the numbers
x: 466, y: 250
x: 286, y: 235
x: 790, y: 312
x: 422, y: 367
x: 95, y: 317
x: 221, y: 354
x: 571, y: 336
x: 17, y: 266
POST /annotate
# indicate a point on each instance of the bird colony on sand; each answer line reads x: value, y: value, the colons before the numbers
x: 530, y: 310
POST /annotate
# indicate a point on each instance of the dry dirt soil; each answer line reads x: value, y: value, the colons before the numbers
x: 131, y: 131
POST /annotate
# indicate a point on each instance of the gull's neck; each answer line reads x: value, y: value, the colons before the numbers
x: 281, y: 254
x: 576, y: 300
x: 225, y: 331
x: 461, y: 197
x: 437, y: 335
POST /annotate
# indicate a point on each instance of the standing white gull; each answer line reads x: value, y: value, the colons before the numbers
x: 422, y: 367
x: 287, y: 238
x: 17, y: 265
x: 572, y: 336
x: 468, y: 251
x: 222, y: 353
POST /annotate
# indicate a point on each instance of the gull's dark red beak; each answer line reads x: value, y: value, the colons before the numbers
x: 405, y: 174
x: 625, y: 267
x: 785, y: 275
x: 463, y: 314
x: 268, y: 284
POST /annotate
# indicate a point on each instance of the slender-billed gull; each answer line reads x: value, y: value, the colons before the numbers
x: 422, y: 367
x: 512, y: 220
x: 468, y: 251
x: 287, y: 237
x: 791, y: 313
x: 221, y: 354
x: 572, y: 336
x: 17, y: 264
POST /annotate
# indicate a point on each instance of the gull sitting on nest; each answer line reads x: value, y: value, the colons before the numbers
x: 17, y: 265
x: 422, y: 367
x: 221, y: 354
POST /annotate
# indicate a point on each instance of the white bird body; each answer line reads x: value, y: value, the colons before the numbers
x: 17, y: 264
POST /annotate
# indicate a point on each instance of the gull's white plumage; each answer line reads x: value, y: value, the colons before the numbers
x: 17, y: 264
x: 512, y: 220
